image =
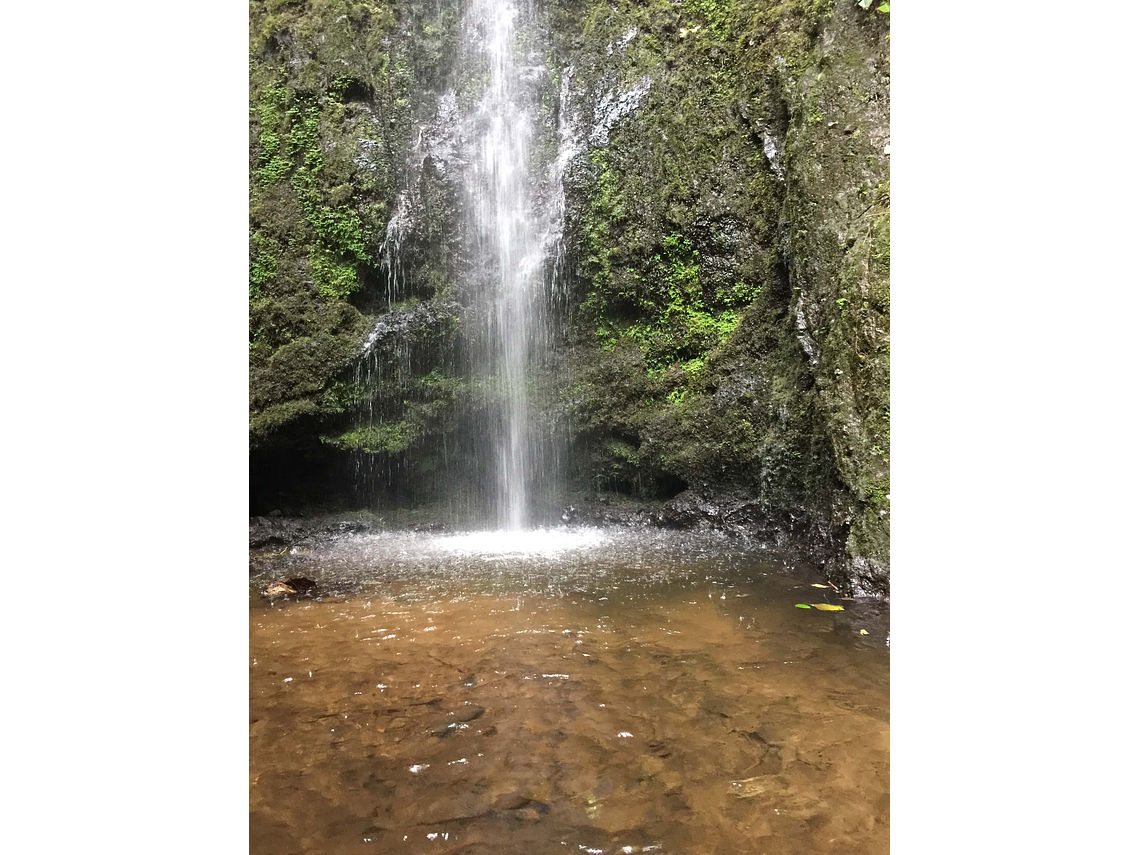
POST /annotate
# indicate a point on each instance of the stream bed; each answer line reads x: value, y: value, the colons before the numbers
x: 564, y: 691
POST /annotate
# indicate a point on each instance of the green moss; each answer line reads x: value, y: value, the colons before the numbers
x: 342, y: 397
x: 263, y: 423
x: 714, y: 14
x: 373, y: 439
x: 676, y: 322
x: 877, y: 492
x: 623, y: 452
x: 334, y: 280
x: 262, y: 263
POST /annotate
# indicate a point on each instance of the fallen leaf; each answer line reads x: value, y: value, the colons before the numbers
x: 802, y: 606
x: 826, y: 607
x: 862, y: 632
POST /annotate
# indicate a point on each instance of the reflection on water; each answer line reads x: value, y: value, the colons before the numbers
x: 570, y: 692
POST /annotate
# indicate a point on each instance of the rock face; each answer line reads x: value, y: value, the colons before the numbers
x: 723, y: 356
x: 338, y: 90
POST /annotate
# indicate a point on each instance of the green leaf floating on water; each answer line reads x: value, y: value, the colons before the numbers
x: 802, y: 606
x: 826, y: 607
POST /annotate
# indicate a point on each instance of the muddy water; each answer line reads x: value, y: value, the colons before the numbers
x: 574, y: 692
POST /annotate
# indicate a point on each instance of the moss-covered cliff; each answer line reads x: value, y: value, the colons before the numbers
x: 732, y: 246
x: 336, y: 89
x: 725, y: 335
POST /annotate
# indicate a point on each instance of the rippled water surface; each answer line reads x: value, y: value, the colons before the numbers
x: 563, y: 691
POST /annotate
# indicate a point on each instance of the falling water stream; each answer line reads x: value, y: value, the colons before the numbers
x: 501, y: 207
x: 508, y: 219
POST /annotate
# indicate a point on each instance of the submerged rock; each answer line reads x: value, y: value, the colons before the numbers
x: 750, y: 787
x: 521, y: 807
x: 468, y: 714
x: 458, y: 721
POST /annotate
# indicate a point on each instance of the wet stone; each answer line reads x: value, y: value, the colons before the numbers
x: 297, y: 586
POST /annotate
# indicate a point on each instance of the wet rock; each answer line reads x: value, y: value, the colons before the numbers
x: 609, y: 511
x: 274, y: 532
x: 297, y: 586
x: 410, y: 325
x: 740, y: 389
x: 688, y: 510
x: 870, y: 578
x: 278, y: 531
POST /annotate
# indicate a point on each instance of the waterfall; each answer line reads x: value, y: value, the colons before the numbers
x: 501, y: 211
x: 502, y: 150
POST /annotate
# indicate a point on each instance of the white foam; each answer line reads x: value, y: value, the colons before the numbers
x: 538, y: 541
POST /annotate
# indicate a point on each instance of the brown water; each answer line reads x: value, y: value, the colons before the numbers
x: 616, y: 693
